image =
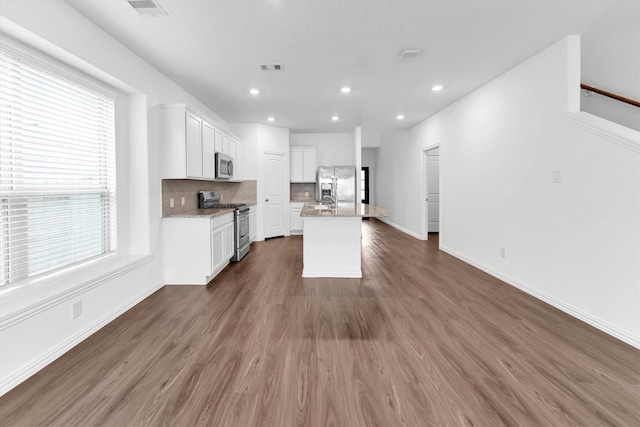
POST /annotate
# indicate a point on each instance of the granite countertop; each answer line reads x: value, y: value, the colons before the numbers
x: 344, y: 210
x: 200, y: 213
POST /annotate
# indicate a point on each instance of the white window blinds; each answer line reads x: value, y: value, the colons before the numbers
x: 57, y: 170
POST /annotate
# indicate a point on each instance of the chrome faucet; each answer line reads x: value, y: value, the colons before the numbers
x: 334, y: 189
x: 332, y: 197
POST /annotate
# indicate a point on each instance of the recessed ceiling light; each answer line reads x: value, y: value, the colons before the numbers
x: 270, y: 119
x: 335, y: 118
x: 345, y: 89
x: 400, y: 116
x: 254, y: 91
x: 436, y: 88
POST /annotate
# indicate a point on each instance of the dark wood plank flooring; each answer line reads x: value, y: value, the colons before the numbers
x: 422, y: 340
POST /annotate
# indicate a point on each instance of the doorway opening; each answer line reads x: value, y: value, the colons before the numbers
x: 431, y: 193
x: 275, y: 197
x: 364, y: 185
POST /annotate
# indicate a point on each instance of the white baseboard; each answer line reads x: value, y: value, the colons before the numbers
x: 560, y: 305
x: 397, y: 227
x: 18, y: 377
x: 355, y: 274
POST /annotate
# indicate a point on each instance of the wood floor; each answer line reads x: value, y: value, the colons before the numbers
x: 422, y: 340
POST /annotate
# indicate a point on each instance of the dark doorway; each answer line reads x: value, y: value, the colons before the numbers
x: 364, y: 185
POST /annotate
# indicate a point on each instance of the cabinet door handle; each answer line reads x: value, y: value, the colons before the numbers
x: 266, y: 200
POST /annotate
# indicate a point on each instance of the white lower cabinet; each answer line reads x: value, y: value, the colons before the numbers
x: 253, y: 223
x: 196, y: 249
x: 229, y: 243
x: 295, y: 221
x: 218, y: 248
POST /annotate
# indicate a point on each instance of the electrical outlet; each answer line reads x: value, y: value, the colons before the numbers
x: 77, y: 309
x: 306, y: 194
x: 503, y: 252
x: 182, y: 201
x: 172, y: 203
x: 221, y: 196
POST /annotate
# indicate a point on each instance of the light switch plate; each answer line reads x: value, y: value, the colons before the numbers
x: 556, y: 176
x: 172, y: 202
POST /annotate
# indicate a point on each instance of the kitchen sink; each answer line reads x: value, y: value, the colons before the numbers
x: 323, y: 206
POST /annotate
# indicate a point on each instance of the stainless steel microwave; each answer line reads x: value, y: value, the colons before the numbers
x: 224, y: 166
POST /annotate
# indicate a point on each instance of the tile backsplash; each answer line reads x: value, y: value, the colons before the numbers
x: 299, y: 191
x: 232, y: 192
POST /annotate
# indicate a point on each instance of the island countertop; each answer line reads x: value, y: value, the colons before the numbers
x: 343, y: 210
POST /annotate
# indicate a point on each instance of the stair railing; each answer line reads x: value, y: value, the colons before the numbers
x: 610, y: 95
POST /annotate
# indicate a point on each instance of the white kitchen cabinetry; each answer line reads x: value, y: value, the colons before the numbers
x: 226, y: 144
x: 239, y: 169
x: 253, y: 222
x: 230, y: 146
x: 229, y: 243
x: 193, y: 142
x: 303, y: 164
x: 219, y: 136
x: 208, y: 151
x: 296, y: 223
x: 236, y: 151
x: 218, y: 248
x: 188, y: 143
x: 196, y: 249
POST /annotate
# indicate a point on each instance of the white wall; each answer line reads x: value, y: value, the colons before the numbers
x: 574, y: 244
x: 36, y: 326
x: 356, y: 137
x: 611, y: 61
x: 333, y: 149
x: 398, y: 180
x: 370, y: 139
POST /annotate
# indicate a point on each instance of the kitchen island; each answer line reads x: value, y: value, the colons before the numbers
x: 332, y: 238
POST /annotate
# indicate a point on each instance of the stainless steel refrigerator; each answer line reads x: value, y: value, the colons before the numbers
x: 336, y: 183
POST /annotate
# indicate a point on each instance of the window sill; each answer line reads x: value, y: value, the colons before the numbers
x: 20, y: 302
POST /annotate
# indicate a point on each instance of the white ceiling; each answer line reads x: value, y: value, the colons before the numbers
x: 213, y: 49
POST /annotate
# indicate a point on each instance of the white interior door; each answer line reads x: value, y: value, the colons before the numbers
x: 274, y: 199
x: 433, y: 190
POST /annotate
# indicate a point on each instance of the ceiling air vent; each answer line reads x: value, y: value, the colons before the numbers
x: 409, y: 53
x: 272, y: 67
x: 148, y: 7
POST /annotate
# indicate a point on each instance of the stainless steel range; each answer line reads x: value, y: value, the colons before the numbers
x: 242, y: 241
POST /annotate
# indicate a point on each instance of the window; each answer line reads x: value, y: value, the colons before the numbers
x: 57, y: 169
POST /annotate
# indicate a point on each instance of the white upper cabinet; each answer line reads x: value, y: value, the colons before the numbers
x: 193, y: 145
x: 309, y: 165
x: 239, y: 169
x: 303, y: 164
x: 181, y: 133
x: 218, y: 141
x: 208, y: 151
x: 297, y: 165
x: 226, y: 144
x: 189, y: 143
